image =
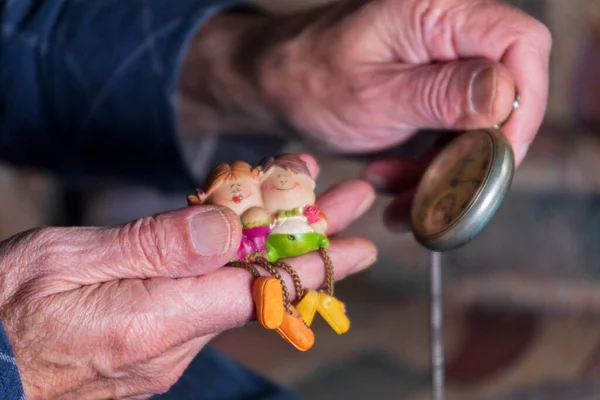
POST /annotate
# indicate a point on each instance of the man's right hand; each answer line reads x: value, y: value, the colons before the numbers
x: 121, y: 312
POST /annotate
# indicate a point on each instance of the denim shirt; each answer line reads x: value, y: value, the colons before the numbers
x: 86, y: 90
x: 10, y: 381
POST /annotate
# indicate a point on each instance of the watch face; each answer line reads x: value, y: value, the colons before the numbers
x: 452, y: 182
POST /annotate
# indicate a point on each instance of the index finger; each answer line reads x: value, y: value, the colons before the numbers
x: 502, y: 33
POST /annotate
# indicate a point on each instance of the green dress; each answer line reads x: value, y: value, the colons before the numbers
x: 282, y: 245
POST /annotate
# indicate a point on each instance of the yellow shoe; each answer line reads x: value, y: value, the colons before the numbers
x: 307, y: 306
x: 333, y: 312
x: 295, y: 332
x: 267, y: 294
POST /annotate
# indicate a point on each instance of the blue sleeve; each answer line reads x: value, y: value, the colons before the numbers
x: 10, y: 381
x: 87, y: 87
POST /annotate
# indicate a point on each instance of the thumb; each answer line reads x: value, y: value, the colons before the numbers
x: 455, y: 95
x: 188, y: 242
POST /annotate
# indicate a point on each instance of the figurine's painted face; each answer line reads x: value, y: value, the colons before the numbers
x: 235, y: 185
x: 283, y: 189
x: 238, y: 194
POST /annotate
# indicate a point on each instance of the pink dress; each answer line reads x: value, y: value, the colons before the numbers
x: 253, y: 243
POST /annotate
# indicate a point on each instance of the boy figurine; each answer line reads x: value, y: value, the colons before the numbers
x: 298, y: 225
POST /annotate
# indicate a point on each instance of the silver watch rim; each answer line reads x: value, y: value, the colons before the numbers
x: 485, y: 204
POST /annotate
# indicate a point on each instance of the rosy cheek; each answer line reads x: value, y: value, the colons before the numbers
x: 218, y: 199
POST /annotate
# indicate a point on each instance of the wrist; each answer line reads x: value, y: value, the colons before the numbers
x: 218, y: 92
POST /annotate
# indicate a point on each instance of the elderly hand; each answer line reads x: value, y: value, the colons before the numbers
x: 120, y: 312
x: 363, y: 75
x: 358, y: 76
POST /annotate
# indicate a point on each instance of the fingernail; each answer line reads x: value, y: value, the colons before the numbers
x: 365, y: 205
x: 210, y: 232
x: 482, y: 91
x: 365, y: 264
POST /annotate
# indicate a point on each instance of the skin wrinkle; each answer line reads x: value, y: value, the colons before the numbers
x: 446, y: 112
x: 21, y: 266
x: 436, y: 20
x: 188, y: 298
x: 369, y: 96
x: 146, y: 237
x: 413, y: 55
x: 341, y: 118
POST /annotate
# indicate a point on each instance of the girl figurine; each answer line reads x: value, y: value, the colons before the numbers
x: 237, y: 186
x: 298, y: 227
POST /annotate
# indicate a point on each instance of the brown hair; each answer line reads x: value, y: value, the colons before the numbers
x: 290, y: 162
x: 222, y: 173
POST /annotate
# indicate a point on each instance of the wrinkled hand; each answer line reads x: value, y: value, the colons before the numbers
x: 121, y: 311
x: 361, y: 75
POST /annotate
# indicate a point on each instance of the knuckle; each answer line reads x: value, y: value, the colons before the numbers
x: 439, y: 98
x: 41, y: 238
x: 35, y: 254
x: 542, y: 35
x: 45, y: 249
x: 145, y: 241
x: 534, y: 33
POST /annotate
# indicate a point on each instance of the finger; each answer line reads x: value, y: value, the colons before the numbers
x: 394, y: 175
x: 345, y: 202
x: 349, y: 256
x: 182, y: 243
x: 502, y: 33
x: 221, y: 300
x: 453, y: 95
x: 396, y: 216
x: 525, y: 122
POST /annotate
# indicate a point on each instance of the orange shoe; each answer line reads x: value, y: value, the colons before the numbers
x: 307, y: 306
x: 295, y: 332
x: 267, y: 294
x: 333, y: 312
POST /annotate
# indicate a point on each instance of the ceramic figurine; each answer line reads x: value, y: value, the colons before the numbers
x: 238, y: 187
x: 329, y: 308
x: 298, y: 225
